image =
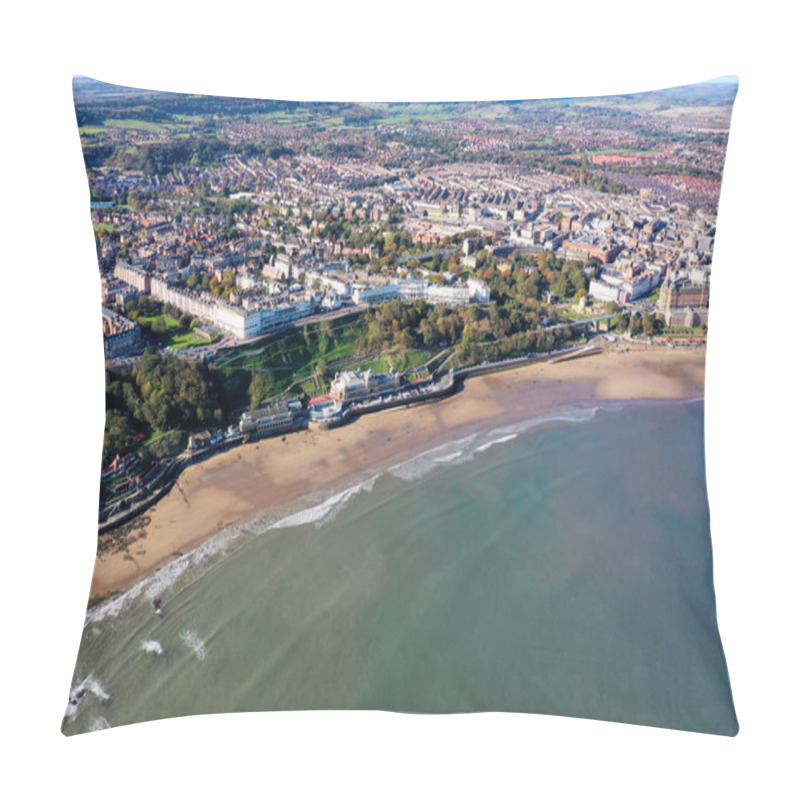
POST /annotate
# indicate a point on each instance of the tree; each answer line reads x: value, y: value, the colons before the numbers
x: 619, y: 321
x: 649, y: 324
x: 262, y: 386
x: 118, y: 435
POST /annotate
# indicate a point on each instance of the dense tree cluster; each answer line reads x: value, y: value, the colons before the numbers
x: 479, y: 334
x: 161, y: 392
x: 396, y: 324
x: 94, y: 109
x: 159, y: 158
x: 517, y: 344
x: 527, y: 280
x: 210, y: 283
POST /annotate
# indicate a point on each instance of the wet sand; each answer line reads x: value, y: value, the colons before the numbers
x: 274, y: 473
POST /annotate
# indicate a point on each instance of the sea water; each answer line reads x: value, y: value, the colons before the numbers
x: 557, y: 566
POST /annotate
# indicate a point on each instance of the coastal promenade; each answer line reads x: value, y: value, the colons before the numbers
x: 274, y: 475
x: 146, y: 496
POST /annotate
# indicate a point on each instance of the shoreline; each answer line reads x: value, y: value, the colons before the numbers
x: 275, y: 475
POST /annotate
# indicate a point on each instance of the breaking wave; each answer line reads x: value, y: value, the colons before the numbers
x: 465, y: 449
x: 419, y: 466
x: 194, y: 643
x: 155, y: 585
x: 440, y: 457
x: 89, y: 685
x: 326, y: 510
x: 152, y: 646
x: 573, y: 416
x: 486, y: 445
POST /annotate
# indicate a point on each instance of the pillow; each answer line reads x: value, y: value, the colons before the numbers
x: 404, y: 407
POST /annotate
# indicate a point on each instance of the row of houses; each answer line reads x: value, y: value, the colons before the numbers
x: 239, y: 322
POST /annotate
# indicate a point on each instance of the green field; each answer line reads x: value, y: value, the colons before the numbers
x: 409, y: 359
x: 641, y: 104
x: 191, y: 119
x: 139, y: 125
x: 102, y: 227
x: 175, y: 335
x: 295, y: 352
x: 301, y: 361
x: 305, y: 361
x: 299, y: 116
x: 404, y: 113
x: 170, y: 322
x: 377, y: 365
x: 187, y: 338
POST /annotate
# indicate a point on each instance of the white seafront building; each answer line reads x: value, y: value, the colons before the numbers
x: 613, y: 287
x: 372, y: 295
x: 244, y: 323
x: 411, y: 289
x: 235, y: 320
x: 275, y: 418
x: 357, y: 385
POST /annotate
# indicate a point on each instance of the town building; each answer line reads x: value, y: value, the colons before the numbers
x: 357, y: 385
x: 604, y: 251
x: 457, y: 294
x: 371, y: 295
x: 275, y: 418
x: 683, y: 293
x: 133, y: 276
x: 121, y: 337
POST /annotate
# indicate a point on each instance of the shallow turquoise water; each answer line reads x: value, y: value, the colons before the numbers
x: 563, y: 569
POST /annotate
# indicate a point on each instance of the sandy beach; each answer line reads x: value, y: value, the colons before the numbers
x: 274, y: 473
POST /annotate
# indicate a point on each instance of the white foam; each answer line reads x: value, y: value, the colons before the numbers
x: 486, y: 445
x: 152, y: 646
x: 450, y: 453
x: 167, y: 575
x: 419, y: 466
x: 462, y: 450
x: 575, y: 416
x: 79, y: 693
x: 159, y: 582
x: 96, y: 688
x: 326, y: 510
x: 195, y: 643
x: 448, y: 458
x: 99, y: 724
x: 155, y: 585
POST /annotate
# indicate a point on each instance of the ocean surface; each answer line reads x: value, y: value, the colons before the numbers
x: 558, y: 566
